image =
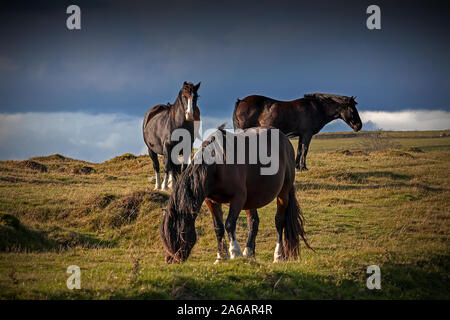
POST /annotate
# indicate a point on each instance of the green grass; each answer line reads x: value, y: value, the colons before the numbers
x: 387, y: 207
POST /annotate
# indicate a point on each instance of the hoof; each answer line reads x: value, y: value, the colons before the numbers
x: 278, y: 255
x: 221, y: 258
x: 278, y: 258
x: 156, y: 180
x: 235, y: 250
x: 235, y: 254
x: 248, y: 253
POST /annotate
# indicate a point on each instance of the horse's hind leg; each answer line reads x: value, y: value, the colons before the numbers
x: 155, y: 161
x: 217, y: 215
x: 253, y: 223
x: 305, y: 146
x: 299, y: 151
x: 282, y: 202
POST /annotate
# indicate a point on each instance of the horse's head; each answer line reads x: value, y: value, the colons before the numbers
x: 178, y: 222
x: 178, y: 235
x: 347, y: 112
x: 188, y: 96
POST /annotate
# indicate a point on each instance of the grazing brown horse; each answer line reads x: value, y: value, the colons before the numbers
x: 243, y: 187
x: 302, y: 117
x: 159, y: 123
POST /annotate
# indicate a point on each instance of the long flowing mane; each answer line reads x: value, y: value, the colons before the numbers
x: 324, y: 97
x: 190, y: 191
x: 183, y: 207
x: 177, y: 228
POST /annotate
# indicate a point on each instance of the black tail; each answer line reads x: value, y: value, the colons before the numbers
x: 235, y: 120
x: 294, y: 223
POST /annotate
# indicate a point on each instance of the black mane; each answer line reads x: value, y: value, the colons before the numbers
x: 323, y: 97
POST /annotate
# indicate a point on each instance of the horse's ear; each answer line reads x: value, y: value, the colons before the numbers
x: 197, y: 86
x: 185, y: 83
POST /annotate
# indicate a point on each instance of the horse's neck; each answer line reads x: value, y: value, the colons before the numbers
x: 330, y: 113
x: 192, y: 191
x: 324, y: 115
x: 178, y: 112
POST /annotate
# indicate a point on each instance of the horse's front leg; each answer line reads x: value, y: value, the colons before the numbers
x: 252, y: 223
x: 217, y: 215
x: 167, y: 166
x: 230, y: 225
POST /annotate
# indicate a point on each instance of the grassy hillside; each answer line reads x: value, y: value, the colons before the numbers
x: 367, y: 200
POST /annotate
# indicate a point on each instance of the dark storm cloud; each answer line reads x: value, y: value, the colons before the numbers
x: 84, y: 93
x: 130, y: 55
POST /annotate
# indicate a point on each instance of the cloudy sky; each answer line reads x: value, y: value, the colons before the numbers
x: 84, y: 93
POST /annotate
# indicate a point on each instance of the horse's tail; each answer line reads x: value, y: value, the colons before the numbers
x: 294, y: 227
x: 235, y: 120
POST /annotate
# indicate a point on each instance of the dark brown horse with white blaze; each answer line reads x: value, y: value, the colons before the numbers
x: 240, y: 186
x: 300, y: 118
x: 159, y: 123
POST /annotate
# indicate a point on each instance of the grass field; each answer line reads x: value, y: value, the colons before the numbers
x: 367, y: 201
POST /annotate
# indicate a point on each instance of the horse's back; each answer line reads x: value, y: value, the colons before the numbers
x: 233, y: 178
x: 152, y: 127
x: 153, y: 111
x: 255, y: 110
x: 247, y: 111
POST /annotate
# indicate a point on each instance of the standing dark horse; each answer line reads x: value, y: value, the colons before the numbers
x: 159, y: 123
x: 302, y: 117
x: 240, y: 186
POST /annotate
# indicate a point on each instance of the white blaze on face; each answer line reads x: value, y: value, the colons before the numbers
x: 190, y: 109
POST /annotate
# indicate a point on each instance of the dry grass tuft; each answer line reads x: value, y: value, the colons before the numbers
x: 123, y: 157
x: 125, y: 209
x: 82, y: 170
x: 398, y: 153
x: 377, y: 141
x: 415, y: 149
x: 101, y: 201
x: 33, y: 165
x: 53, y: 157
x: 347, y: 152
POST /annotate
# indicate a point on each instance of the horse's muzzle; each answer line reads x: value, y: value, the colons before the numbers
x: 189, y: 117
x: 357, y: 127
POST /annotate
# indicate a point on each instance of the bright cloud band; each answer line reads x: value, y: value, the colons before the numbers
x: 102, y: 136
